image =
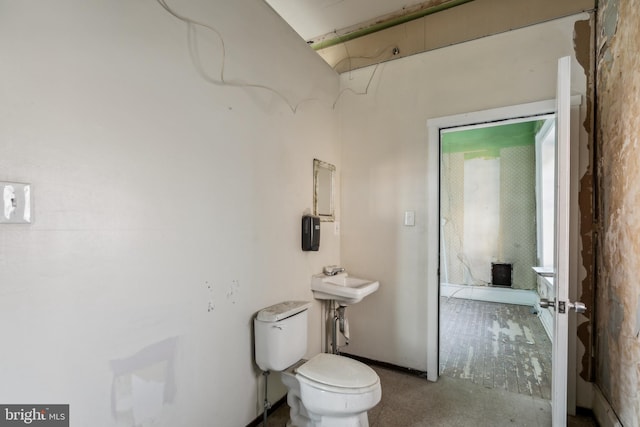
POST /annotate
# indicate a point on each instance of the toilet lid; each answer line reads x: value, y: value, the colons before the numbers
x: 282, y: 310
x: 338, y: 371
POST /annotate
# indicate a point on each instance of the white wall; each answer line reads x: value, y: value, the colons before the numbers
x: 167, y: 208
x: 384, y: 157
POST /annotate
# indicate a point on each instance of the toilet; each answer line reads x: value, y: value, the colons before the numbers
x: 325, y: 391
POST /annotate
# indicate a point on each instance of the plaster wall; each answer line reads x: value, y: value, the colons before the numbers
x: 167, y: 207
x: 618, y: 291
x: 384, y: 153
x: 489, y: 212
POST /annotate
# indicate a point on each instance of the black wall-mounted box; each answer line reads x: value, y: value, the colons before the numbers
x: 310, y: 233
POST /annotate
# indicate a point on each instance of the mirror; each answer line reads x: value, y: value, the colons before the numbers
x: 323, y: 188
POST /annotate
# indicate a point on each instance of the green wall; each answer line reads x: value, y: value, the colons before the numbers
x: 488, y: 141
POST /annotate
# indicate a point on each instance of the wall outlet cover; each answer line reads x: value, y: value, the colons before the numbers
x: 16, y: 203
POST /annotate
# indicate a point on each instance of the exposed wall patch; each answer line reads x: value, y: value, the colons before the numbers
x: 616, y: 315
x: 608, y: 28
x: 583, y: 44
x: 638, y: 317
x: 618, y: 199
x: 143, y: 383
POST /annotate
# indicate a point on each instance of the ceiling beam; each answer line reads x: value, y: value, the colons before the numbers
x: 465, y: 22
x: 364, y: 29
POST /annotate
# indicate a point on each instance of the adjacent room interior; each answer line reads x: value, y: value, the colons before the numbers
x: 497, y: 224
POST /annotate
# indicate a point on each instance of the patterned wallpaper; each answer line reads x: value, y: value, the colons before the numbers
x: 514, y: 239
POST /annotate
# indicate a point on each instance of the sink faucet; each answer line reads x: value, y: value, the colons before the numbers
x: 332, y: 270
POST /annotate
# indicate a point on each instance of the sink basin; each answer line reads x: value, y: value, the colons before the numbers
x: 342, y: 288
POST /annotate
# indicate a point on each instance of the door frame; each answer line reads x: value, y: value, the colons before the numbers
x: 433, y: 211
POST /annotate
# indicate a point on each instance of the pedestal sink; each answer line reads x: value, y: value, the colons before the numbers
x: 342, y: 288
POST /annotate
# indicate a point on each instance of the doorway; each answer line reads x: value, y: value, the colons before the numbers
x: 491, y: 182
x: 433, y: 228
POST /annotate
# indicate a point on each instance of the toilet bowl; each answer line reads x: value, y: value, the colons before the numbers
x: 325, y: 391
x: 331, y: 391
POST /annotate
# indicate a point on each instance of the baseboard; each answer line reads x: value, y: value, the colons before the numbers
x: 604, y: 413
x: 256, y: 422
x: 391, y: 366
x: 490, y: 294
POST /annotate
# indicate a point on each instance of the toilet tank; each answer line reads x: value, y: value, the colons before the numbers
x: 281, y: 335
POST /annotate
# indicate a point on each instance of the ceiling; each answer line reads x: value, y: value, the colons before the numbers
x: 352, y: 34
x: 319, y: 20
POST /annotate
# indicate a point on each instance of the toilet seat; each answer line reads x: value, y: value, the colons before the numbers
x: 339, y: 374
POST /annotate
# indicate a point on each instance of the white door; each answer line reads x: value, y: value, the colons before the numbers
x: 561, y: 304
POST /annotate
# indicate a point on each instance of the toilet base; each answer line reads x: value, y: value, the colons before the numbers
x: 299, y: 416
x: 297, y: 419
x: 327, y: 421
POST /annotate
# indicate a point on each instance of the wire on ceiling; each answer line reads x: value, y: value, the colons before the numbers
x: 221, y: 80
x: 348, y: 89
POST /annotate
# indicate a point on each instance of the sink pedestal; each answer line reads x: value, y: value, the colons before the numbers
x: 339, y: 322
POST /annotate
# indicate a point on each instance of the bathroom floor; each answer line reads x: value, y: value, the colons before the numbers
x: 410, y: 401
x: 501, y: 346
x: 495, y: 371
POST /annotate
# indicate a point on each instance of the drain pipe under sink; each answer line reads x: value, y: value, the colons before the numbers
x: 339, y: 323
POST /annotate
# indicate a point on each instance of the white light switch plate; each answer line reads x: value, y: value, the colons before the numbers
x: 409, y: 218
x: 15, y: 202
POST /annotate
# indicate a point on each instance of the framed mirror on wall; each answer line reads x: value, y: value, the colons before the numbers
x: 323, y: 190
